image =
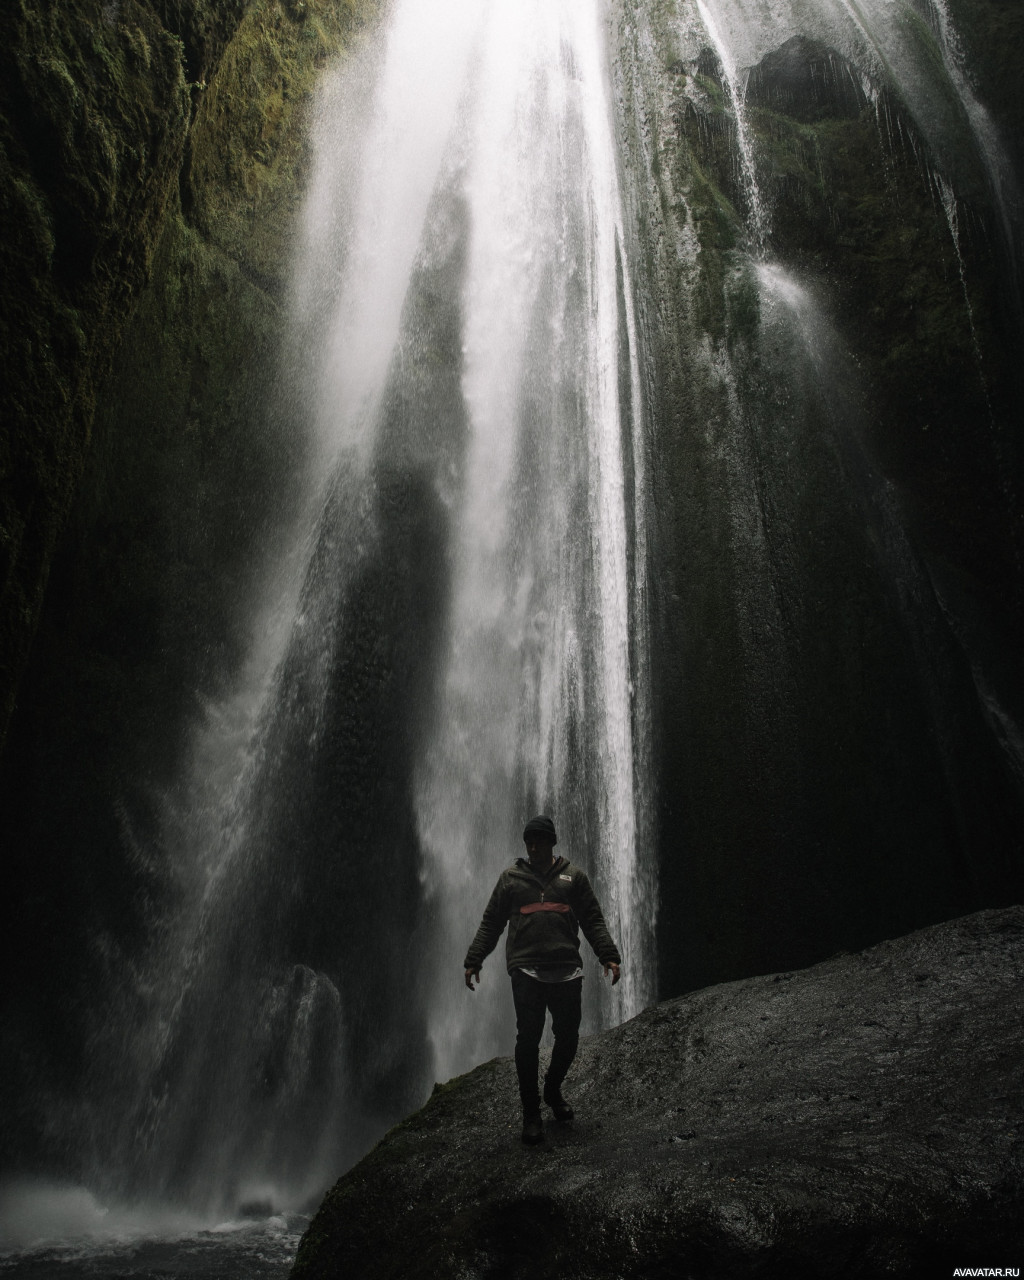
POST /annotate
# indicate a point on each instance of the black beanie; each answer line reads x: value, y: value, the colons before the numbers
x: 542, y: 826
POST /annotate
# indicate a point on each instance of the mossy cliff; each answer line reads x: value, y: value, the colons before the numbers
x: 93, y: 122
x: 152, y: 158
x: 131, y: 133
x: 834, y: 401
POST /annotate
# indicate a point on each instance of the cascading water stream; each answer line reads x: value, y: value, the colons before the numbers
x: 889, y: 47
x: 456, y: 638
x: 908, y: 60
x: 540, y: 697
x: 949, y: 205
x: 364, y: 216
x: 1004, y: 182
x: 542, y: 701
x: 231, y: 1018
x: 757, y: 213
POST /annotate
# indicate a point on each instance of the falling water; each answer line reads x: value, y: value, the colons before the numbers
x: 949, y: 205
x: 456, y: 637
x: 736, y: 82
x: 542, y: 694
x: 1001, y: 175
x: 890, y: 48
x: 363, y: 222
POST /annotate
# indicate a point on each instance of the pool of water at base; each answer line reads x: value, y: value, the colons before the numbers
x: 242, y: 1250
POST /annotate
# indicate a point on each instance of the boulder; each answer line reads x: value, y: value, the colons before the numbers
x: 862, y: 1117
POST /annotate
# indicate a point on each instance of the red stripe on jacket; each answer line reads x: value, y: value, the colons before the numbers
x: 531, y: 907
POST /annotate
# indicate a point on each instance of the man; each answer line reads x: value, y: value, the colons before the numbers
x: 545, y: 901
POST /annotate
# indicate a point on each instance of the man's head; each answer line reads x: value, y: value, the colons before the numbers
x: 540, y: 838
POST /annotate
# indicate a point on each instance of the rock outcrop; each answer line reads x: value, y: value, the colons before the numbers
x: 864, y: 1117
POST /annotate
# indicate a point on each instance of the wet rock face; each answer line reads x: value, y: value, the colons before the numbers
x: 860, y: 1118
x: 116, y: 117
x: 807, y: 81
x: 834, y: 519
x: 151, y: 162
x: 94, y: 111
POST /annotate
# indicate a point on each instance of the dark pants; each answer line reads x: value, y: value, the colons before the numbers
x: 533, y: 999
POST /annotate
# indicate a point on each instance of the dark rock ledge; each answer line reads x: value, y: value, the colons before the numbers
x: 864, y: 1117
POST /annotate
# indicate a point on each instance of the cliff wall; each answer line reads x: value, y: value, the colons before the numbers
x: 834, y: 390
x: 153, y: 157
x: 145, y: 146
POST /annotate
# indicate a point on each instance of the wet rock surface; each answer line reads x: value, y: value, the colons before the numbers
x: 148, y: 517
x: 863, y: 1117
x: 833, y: 567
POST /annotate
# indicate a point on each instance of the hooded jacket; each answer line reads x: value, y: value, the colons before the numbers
x: 544, y: 914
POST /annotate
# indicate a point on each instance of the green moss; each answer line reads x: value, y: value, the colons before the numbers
x: 247, y: 146
x: 82, y: 206
x: 100, y: 130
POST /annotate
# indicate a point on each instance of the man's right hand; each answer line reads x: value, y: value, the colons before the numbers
x: 470, y: 975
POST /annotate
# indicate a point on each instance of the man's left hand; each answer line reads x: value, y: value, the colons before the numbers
x: 612, y: 968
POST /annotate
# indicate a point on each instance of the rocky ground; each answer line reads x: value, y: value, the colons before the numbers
x: 864, y: 1117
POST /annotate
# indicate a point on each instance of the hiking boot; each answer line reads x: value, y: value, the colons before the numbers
x: 553, y: 1097
x: 533, y: 1128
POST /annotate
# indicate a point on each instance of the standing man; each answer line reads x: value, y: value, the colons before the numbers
x: 545, y: 901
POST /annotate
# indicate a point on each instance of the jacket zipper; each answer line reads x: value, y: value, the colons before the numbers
x: 542, y: 891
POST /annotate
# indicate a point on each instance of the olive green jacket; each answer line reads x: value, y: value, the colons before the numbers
x: 544, y: 915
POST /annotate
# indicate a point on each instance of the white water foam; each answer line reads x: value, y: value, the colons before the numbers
x: 64, y: 1232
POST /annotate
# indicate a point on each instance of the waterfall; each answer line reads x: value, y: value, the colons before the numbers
x: 541, y: 702
x: 376, y: 167
x: 455, y: 639
x: 592, y: 517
